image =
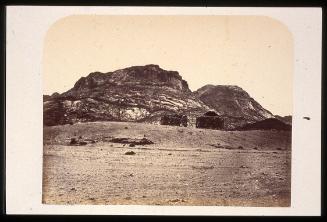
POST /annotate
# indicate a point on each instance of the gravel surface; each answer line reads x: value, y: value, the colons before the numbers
x: 183, y: 166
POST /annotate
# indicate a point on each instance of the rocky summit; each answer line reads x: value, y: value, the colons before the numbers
x: 137, y: 93
x: 146, y: 94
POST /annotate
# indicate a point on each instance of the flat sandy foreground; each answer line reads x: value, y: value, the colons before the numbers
x: 184, y: 166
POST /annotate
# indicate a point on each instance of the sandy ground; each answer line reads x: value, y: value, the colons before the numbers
x: 184, y: 166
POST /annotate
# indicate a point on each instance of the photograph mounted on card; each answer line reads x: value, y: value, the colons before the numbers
x: 191, y: 110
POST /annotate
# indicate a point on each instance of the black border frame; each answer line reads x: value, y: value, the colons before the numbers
x: 204, y: 3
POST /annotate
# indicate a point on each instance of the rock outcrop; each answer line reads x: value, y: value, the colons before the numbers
x: 233, y: 104
x: 267, y: 124
x: 138, y: 93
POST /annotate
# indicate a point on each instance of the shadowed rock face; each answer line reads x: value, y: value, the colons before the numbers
x: 138, y: 93
x: 233, y: 104
x: 267, y: 124
x: 285, y: 119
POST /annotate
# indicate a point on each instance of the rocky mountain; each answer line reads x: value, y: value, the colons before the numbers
x: 145, y: 94
x: 138, y: 93
x: 232, y: 103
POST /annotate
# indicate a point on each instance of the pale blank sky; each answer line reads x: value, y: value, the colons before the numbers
x: 253, y: 52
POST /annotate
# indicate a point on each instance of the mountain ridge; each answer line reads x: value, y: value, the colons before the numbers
x: 145, y: 94
x: 132, y: 94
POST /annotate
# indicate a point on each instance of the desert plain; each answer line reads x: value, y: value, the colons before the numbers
x: 181, y: 165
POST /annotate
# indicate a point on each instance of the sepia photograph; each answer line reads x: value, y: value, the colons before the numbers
x: 195, y: 111
x: 167, y: 110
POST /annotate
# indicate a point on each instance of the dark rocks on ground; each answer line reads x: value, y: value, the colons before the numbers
x: 226, y: 146
x: 203, y: 167
x: 73, y: 141
x: 143, y: 141
x: 177, y: 200
x: 130, y: 153
x: 119, y: 140
x: 79, y: 142
x: 217, y: 145
x: 132, y: 145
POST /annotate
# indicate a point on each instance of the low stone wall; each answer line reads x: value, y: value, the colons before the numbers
x: 174, y: 120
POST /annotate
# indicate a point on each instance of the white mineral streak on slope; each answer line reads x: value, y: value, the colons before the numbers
x: 266, y: 114
x: 250, y: 105
x: 194, y: 104
x: 174, y: 102
x: 135, y: 113
x: 67, y: 103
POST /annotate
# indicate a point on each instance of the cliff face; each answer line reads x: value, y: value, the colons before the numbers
x: 138, y: 93
x: 149, y: 75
